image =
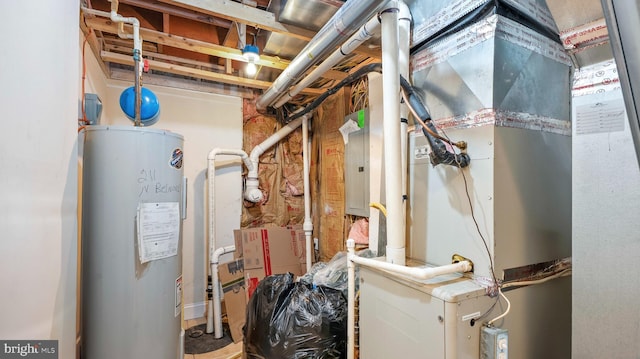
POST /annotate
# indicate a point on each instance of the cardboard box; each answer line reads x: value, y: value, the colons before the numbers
x: 270, y: 250
x: 231, y: 276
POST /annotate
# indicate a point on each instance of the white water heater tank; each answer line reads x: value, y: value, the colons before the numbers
x: 132, y: 191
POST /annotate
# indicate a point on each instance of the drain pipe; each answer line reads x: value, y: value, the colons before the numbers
x: 254, y: 194
x: 252, y: 191
x: 420, y: 273
x: 404, y: 37
x: 307, y: 225
x: 363, y: 34
x: 395, y: 250
x: 341, y: 26
x: 351, y: 299
x: 215, y: 253
x: 215, y: 315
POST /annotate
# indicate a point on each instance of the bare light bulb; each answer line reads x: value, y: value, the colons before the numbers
x: 250, y: 69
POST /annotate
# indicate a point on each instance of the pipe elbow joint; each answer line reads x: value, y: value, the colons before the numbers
x: 252, y: 192
x: 307, y: 226
x: 404, y: 12
x: 391, y: 6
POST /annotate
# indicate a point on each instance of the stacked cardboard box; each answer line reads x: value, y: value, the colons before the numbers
x: 260, y: 252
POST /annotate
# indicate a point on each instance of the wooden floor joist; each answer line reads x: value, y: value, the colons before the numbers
x: 197, y: 73
x: 106, y: 25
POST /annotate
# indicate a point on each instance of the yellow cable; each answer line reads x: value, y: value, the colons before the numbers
x: 379, y: 207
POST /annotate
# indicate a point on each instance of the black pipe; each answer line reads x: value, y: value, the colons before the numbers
x: 439, y: 153
x: 377, y: 67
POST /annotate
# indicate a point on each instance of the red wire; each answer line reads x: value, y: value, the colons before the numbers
x: 84, y: 76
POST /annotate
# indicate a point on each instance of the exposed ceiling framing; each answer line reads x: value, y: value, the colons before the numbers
x: 194, y: 43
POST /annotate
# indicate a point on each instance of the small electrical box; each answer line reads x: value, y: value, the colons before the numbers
x: 494, y: 343
x: 92, y: 108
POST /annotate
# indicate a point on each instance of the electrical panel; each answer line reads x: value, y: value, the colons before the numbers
x: 494, y: 343
x: 356, y: 163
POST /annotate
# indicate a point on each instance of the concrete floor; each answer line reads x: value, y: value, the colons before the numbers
x: 231, y: 351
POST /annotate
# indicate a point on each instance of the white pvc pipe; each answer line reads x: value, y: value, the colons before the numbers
x: 391, y: 125
x: 343, y: 24
x: 351, y: 299
x: 121, y: 20
x: 307, y: 225
x: 211, y: 174
x: 364, y: 33
x: 404, y: 37
x: 137, y: 47
x: 214, y: 317
x: 420, y: 273
x: 252, y: 191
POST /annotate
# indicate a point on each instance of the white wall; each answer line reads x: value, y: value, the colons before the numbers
x: 38, y: 181
x: 606, y: 240
x: 96, y: 80
x: 206, y: 121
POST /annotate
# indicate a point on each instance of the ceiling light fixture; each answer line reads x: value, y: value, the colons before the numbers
x: 251, y: 54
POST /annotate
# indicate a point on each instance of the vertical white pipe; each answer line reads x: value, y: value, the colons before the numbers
x: 351, y: 299
x: 215, y: 281
x: 307, y: 225
x: 404, y: 37
x: 391, y: 125
x: 211, y: 174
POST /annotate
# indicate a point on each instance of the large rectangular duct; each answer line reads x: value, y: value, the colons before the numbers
x: 432, y: 17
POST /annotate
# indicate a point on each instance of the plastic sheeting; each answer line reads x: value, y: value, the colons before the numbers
x: 295, y: 320
x: 333, y: 274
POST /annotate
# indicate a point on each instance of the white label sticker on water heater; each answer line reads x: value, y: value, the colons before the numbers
x: 158, y: 230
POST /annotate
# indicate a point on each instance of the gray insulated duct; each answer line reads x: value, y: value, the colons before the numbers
x: 351, y: 16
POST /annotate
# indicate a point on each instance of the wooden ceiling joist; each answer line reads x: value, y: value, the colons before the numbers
x: 251, y: 16
x: 257, y: 18
x: 197, y: 73
x: 161, y: 38
x: 178, y: 11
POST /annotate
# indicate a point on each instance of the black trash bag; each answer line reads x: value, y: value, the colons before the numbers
x: 287, y: 320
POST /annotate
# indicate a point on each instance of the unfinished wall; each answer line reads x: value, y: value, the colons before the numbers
x: 328, y: 175
x: 280, y: 173
x: 38, y: 185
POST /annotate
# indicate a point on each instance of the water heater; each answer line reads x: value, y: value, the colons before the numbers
x: 131, y: 243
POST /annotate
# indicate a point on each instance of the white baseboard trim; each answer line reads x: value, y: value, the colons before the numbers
x: 194, y: 310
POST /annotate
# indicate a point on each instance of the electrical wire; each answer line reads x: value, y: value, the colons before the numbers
x: 537, y: 281
x: 490, y: 323
x: 359, y: 95
x: 84, y: 77
x: 474, y: 320
x: 378, y: 206
x: 461, y: 145
x: 475, y: 221
x: 375, y: 67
